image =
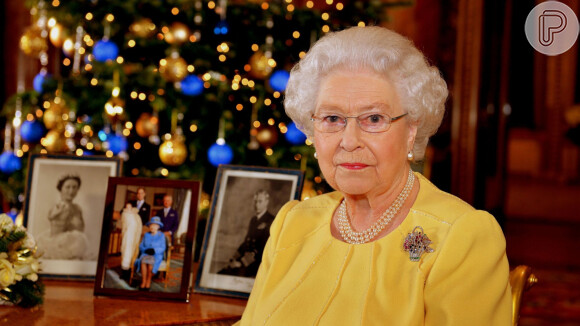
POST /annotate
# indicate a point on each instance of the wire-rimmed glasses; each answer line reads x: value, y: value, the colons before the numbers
x: 369, y: 122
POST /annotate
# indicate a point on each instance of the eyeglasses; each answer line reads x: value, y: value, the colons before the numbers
x: 369, y: 122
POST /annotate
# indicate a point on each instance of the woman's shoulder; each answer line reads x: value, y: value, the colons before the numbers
x: 442, y: 205
x: 298, y: 220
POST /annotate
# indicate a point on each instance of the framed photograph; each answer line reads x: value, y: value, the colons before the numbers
x: 63, y: 210
x: 244, y: 203
x: 147, y: 251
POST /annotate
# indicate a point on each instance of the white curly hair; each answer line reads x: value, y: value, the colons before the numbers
x: 421, y: 89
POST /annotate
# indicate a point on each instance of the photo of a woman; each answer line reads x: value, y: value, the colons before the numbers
x: 65, y: 239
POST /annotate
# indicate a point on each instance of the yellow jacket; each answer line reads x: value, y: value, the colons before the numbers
x: 307, y: 277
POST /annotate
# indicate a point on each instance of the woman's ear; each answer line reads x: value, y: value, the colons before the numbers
x: 412, y: 134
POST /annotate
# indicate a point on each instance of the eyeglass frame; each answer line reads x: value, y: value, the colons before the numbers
x: 313, y: 118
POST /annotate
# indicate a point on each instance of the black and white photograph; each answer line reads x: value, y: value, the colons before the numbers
x: 244, y: 204
x: 147, y: 241
x: 64, y: 210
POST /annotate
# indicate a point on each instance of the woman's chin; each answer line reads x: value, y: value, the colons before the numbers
x: 353, y: 188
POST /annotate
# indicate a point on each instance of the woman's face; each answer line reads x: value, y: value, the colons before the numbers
x: 353, y: 161
x: 154, y: 227
x: 69, y: 189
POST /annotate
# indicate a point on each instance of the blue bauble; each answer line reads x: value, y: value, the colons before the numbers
x: 220, y: 154
x: 105, y: 50
x: 117, y: 144
x: 221, y: 28
x: 13, y: 215
x: 103, y: 135
x: 294, y: 135
x: 192, y: 85
x: 9, y: 162
x: 279, y: 80
x: 38, y: 81
x: 32, y: 131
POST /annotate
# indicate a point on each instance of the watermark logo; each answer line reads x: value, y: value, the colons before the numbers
x: 552, y: 28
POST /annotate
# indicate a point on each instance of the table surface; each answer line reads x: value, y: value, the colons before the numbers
x: 73, y: 303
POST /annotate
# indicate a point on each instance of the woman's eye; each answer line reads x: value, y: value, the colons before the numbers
x: 375, y: 118
x: 332, y: 119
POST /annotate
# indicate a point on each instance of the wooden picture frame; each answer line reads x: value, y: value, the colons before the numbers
x: 235, y: 236
x: 63, y: 210
x: 124, y: 241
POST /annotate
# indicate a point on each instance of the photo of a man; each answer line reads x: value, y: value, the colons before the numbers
x: 144, y: 209
x: 247, y: 258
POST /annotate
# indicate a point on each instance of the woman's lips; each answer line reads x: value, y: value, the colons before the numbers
x: 353, y: 166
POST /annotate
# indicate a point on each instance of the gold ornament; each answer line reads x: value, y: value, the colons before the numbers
x: 114, y: 106
x: 177, y: 33
x: 32, y: 43
x: 308, y: 190
x: 55, y: 141
x: 173, y: 152
x: 173, y: 68
x: 267, y: 136
x: 146, y: 125
x: 143, y: 27
x: 68, y: 47
x: 57, y: 35
x: 259, y: 64
x: 53, y: 116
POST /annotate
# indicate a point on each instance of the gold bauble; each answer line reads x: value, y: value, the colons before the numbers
x: 68, y: 47
x: 55, y: 141
x: 259, y: 64
x: 143, y: 27
x: 58, y: 35
x: 146, y: 125
x: 173, y: 152
x: 177, y: 33
x: 267, y: 136
x: 174, y: 68
x: 114, y: 106
x: 53, y: 116
x: 308, y: 190
x: 32, y: 43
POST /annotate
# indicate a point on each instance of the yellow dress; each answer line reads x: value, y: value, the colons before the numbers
x: 307, y: 277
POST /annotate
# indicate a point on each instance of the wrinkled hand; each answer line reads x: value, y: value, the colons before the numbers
x: 150, y: 251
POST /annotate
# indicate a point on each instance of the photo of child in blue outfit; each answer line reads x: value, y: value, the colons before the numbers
x: 152, y: 249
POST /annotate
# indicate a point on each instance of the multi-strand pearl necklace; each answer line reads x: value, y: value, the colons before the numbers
x: 351, y: 236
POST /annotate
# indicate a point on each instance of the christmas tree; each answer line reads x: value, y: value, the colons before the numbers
x: 174, y: 87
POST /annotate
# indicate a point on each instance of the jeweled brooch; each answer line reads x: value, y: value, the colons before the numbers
x: 416, y: 243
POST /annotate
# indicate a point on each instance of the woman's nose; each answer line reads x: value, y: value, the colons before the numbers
x: 351, y: 136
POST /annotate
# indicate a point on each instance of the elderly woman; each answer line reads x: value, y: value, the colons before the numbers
x: 388, y: 247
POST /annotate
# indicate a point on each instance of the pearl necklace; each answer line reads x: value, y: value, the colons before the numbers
x: 353, y: 237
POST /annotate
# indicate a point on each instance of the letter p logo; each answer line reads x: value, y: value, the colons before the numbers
x: 551, y: 22
x: 552, y: 28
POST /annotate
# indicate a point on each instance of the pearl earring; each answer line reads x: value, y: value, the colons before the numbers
x: 315, y: 155
x: 410, y: 156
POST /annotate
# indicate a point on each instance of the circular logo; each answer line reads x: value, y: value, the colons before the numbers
x: 552, y: 28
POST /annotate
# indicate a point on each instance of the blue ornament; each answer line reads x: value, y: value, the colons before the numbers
x: 294, y: 135
x: 32, y: 131
x: 38, y: 81
x: 103, y: 135
x: 221, y: 28
x: 13, y: 213
x: 117, y: 144
x: 9, y: 162
x: 220, y: 154
x: 192, y: 85
x: 105, y: 50
x: 279, y: 80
